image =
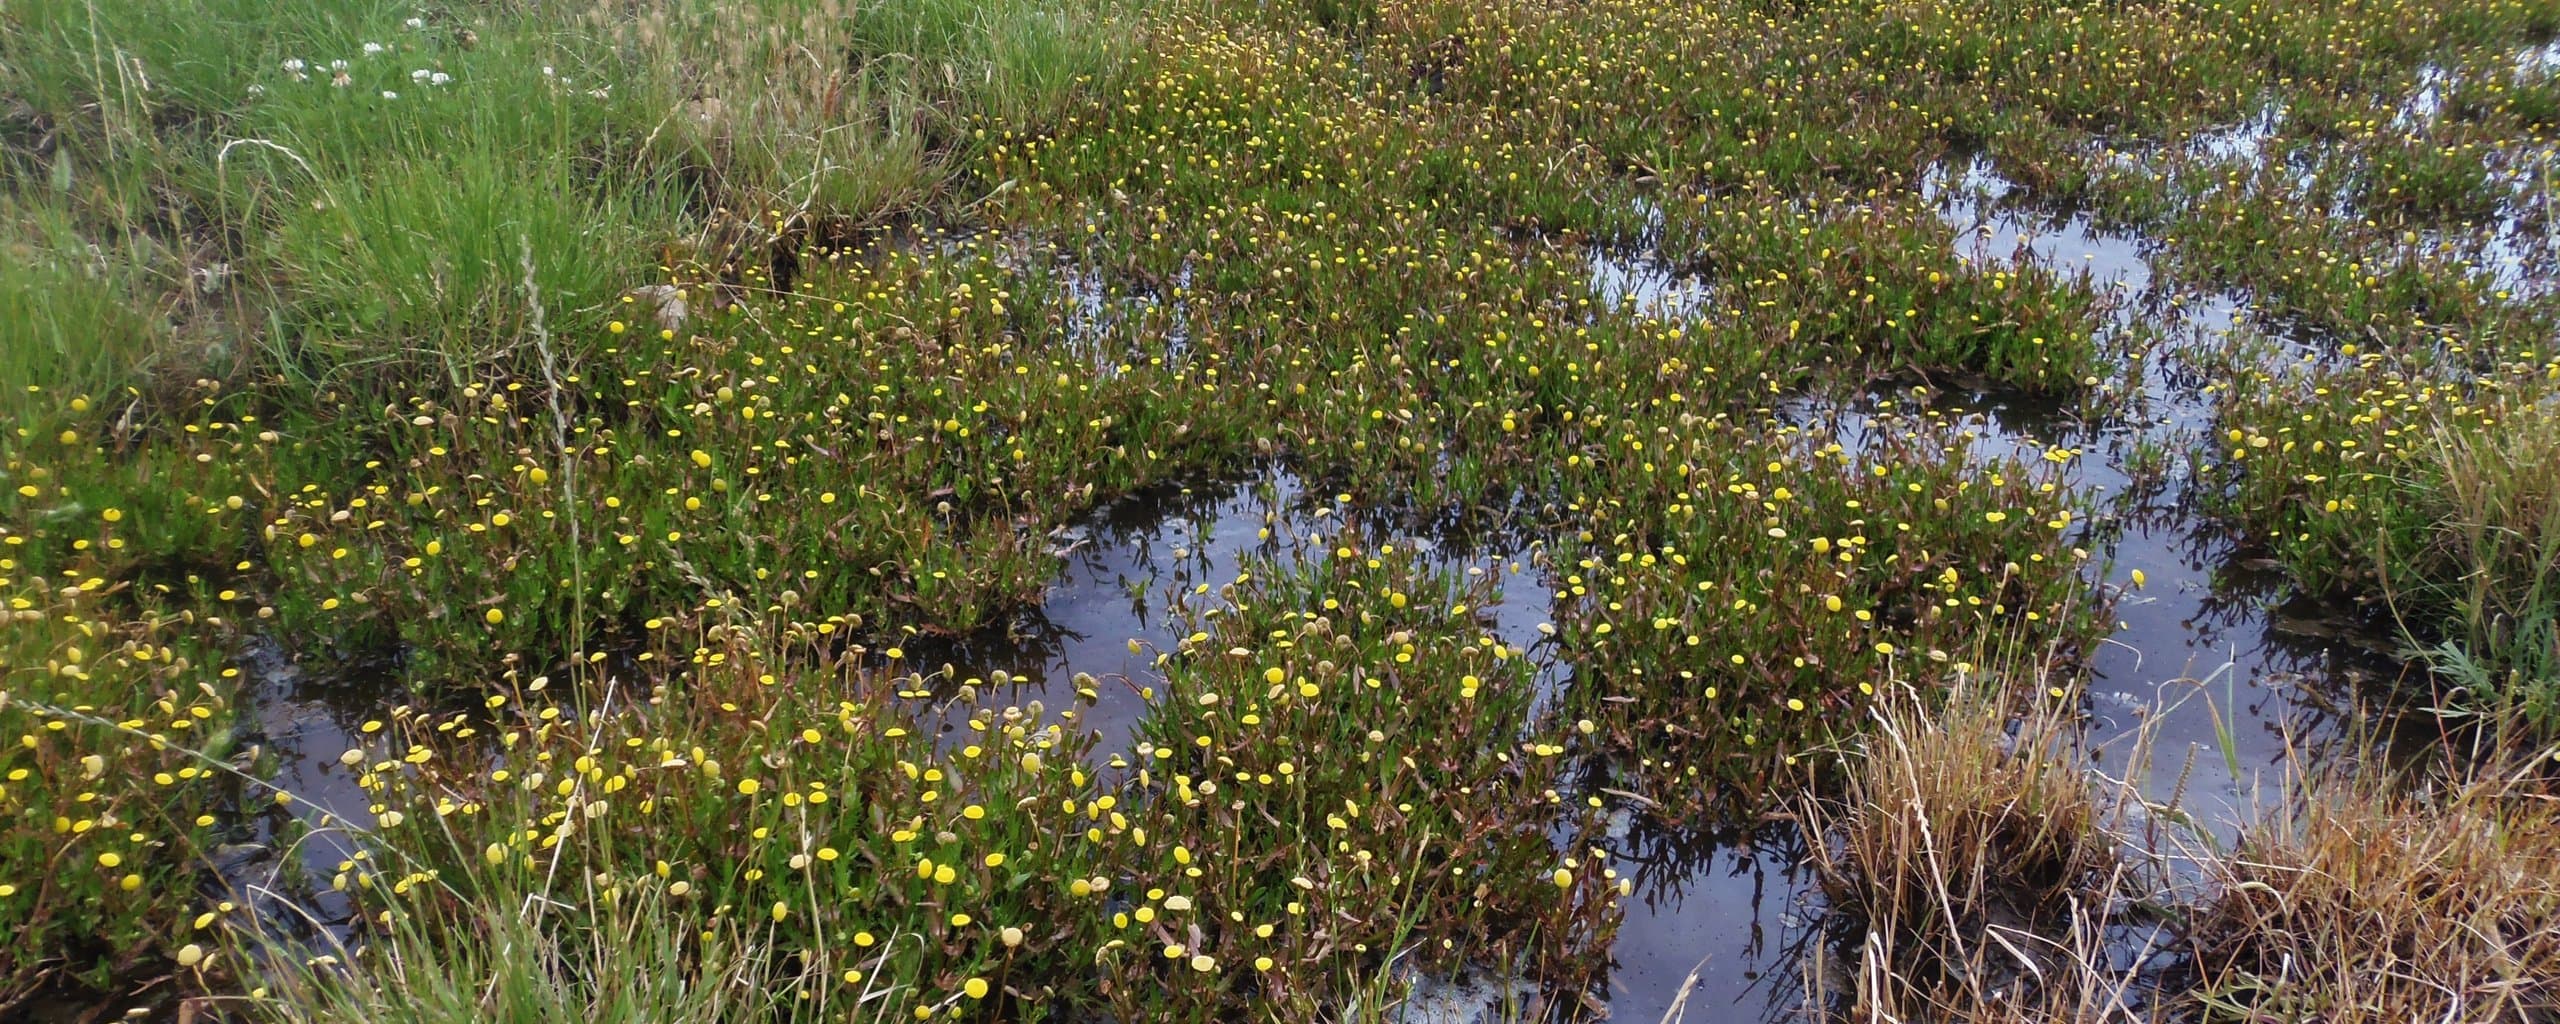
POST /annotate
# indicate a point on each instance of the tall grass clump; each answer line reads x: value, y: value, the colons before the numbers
x: 853, y: 110
x: 507, y: 961
x: 2492, y: 564
x: 2370, y: 902
x: 68, y: 322
x: 1974, y: 865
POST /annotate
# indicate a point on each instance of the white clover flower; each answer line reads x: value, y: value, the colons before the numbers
x: 546, y: 71
x: 337, y: 65
x: 256, y: 90
x: 439, y: 78
x: 341, y: 80
x: 294, y: 65
x: 389, y: 95
x: 374, y: 49
x: 416, y: 23
x: 420, y: 75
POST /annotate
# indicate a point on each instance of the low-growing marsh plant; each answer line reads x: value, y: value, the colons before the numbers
x: 110, y: 787
x: 782, y: 779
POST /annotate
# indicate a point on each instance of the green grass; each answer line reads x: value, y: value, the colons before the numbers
x: 647, y: 968
x: 359, y: 183
x: 2491, y: 573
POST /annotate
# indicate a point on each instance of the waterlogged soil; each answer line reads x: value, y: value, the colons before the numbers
x: 2215, y: 663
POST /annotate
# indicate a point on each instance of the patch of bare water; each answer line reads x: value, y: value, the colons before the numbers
x: 1634, y: 278
x: 284, y: 852
x: 1639, y: 281
x: 2242, y: 141
x: 1140, y: 570
x: 2226, y: 672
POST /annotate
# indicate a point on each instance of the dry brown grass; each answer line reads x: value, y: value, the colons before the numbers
x: 854, y: 109
x: 1980, y: 867
x: 2371, y: 904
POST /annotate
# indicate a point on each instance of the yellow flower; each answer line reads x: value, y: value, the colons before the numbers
x: 975, y: 988
x: 494, y: 616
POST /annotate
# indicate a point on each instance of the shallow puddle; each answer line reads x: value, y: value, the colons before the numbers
x: 1141, y: 570
x: 2214, y: 664
x: 1638, y: 281
x: 280, y: 857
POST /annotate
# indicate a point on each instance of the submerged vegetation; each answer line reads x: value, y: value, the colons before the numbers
x: 653, y: 395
